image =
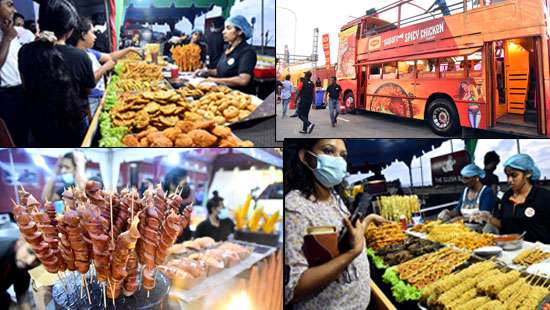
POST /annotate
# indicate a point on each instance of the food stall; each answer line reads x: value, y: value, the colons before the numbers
x: 113, y: 243
x: 418, y: 262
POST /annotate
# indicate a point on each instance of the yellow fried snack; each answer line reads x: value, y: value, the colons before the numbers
x: 187, y: 57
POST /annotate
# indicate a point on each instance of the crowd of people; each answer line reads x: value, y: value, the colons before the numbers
x: 52, y: 75
x: 305, y: 97
x: 17, y: 257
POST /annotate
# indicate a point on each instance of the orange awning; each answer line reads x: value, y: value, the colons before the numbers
x: 427, y: 55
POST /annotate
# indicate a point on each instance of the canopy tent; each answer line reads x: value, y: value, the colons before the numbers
x: 189, y: 9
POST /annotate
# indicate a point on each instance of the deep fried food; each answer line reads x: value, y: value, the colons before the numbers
x: 151, y: 107
x: 222, y: 132
x: 185, y: 126
x: 168, y: 109
x: 187, y: 57
x: 130, y: 140
x: 142, y: 119
x: 202, y: 138
x: 169, y: 121
x: 172, y: 133
x: 207, y: 125
x: 183, y: 140
x: 231, y: 112
x: 159, y: 140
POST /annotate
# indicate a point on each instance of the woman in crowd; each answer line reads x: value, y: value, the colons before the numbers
x: 70, y: 171
x: 286, y: 93
x: 524, y: 207
x: 313, y: 168
x: 57, y: 79
x: 84, y: 38
x: 236, y: 65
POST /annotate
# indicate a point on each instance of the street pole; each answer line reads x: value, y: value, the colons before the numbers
x: 295, y: 25
x: 263, y: 27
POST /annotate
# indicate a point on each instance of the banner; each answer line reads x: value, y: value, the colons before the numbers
x: 446, y: 168
x: 326, y: 48
x: 346, y: 53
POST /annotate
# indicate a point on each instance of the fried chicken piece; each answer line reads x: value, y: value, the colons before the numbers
x: 230, y: 141
x: 221, y: 131
x: 130, y: 140
x: 183, y: 140
x: 203, y: 138
x: 185, y: 126
x: 160, y: 140
x: 220, y: 120
x: 206, y: 125
x: 144, y: 142
x: 172, y: 133
x: 146, y: 132
x: 246, y: 143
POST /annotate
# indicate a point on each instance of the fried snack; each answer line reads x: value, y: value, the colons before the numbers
x: 493, y: 285
x: 187, y: 134
x: 459, y: 235
x: 531, y: 256
x: 430, y: 267
x: 141, y: 71
x: 130, y: 85
x: 187, y: 57
x: 382, y: 236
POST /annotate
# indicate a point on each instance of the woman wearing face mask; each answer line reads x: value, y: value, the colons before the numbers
x: 218, y: 225
x: 524, y: 207
x: 475, y: 198
x: 313, y: 168
x: 70, y: 171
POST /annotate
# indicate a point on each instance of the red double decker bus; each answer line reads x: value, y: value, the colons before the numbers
x: 484, y: 66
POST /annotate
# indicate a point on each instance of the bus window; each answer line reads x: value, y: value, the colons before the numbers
x: 406, y: 69
x: 390, y: 70
x: 426, y: 69
x: 374, y: 72
x: 474, y: 65
x: 452, y: 67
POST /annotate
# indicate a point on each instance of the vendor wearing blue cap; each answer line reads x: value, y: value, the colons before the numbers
x: 476, y: 196
x: 525, y: 206
x: 236, y: 66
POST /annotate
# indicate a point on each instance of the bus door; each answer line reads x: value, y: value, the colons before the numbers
x: 516, y: 72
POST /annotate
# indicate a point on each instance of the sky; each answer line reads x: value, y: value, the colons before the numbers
x: 329, y: 17
x: 505, y: 148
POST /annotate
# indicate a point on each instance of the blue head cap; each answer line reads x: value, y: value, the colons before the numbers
x: 240, y: 22
x: 472, y: 170
x: 525, y: 163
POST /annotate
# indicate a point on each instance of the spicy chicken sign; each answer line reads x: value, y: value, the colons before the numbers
x: 426, y: 31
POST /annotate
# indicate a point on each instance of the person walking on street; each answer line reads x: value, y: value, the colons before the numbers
x: 298, y: 97
x: 306, y: 99
x: 333, y: 93
x: 286, y: 93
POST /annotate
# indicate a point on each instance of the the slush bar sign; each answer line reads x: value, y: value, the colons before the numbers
x: 422, y: 34
x: 446, y: 168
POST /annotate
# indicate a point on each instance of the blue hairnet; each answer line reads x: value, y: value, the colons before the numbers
x: 472, y: 170
x: 523, y: 162
x: 240, y: 22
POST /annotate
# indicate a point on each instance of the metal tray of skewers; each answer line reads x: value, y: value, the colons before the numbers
x: 495, y: 287
x: 72, y: 292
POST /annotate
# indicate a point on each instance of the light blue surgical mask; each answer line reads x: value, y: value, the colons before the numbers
x: 330, y: 170
x: 223, y: 214
x: 59, y: 206
x: 67, y: 178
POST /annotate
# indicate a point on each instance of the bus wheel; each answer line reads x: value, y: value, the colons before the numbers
x: 443, y: 117
x: 349, y: 105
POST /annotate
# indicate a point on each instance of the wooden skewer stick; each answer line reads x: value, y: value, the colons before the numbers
x: 81, y: 284
x: 132, y: 205
x: 148, y: 293
x: 88, y: 291
x: 111, y: 205
x: 104, y: 295
x: 63, y: 283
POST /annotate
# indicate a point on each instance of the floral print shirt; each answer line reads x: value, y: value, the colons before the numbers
x: 352, y: 290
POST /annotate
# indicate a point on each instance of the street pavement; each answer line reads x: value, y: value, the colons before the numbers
x: 365, y: 125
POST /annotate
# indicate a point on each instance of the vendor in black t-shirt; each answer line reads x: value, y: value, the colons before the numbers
x: 524, y: 208
x: 236, y: 66
x: 218, y: 225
